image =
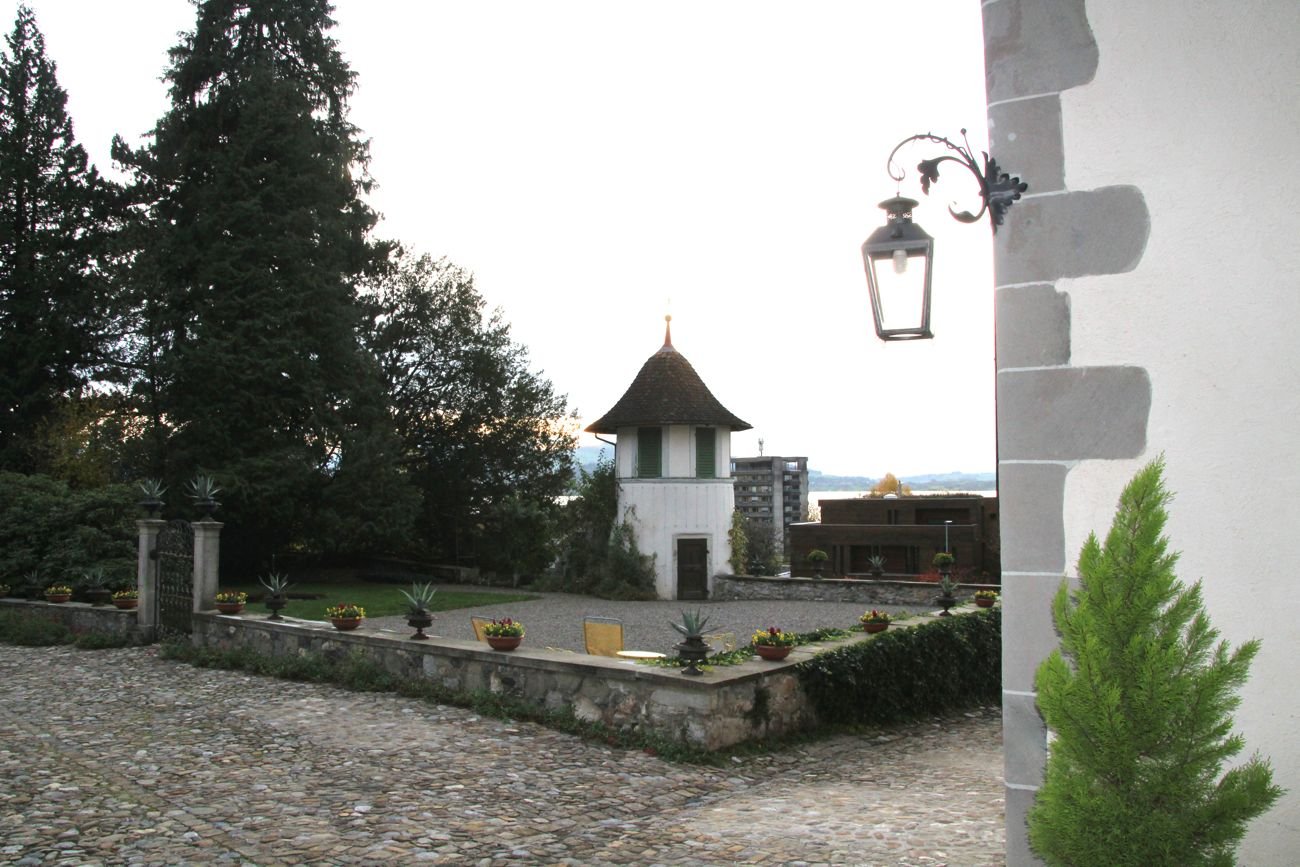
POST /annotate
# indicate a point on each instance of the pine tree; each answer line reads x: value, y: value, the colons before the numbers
x: 253, y: 237
x: 1139, y: 698
x: 53, y: 230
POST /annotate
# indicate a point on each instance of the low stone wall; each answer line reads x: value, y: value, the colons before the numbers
x: 868, y: 591
x: 728, y: 705
x: 81, y: 618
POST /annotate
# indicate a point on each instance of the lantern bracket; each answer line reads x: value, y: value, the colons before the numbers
x: 998, y: 190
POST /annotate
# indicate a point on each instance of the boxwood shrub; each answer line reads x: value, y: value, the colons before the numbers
x: 905, y: 673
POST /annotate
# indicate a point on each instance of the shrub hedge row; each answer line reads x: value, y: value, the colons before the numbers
x: 907, y: 673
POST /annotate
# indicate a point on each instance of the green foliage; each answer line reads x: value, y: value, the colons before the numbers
x: 26, y: 630
x: 738, y: 536
x: 587, y: 521
x: 693, y: 623
x: 251, y: 231
x: 55, y: 313
x: 761, y: 550
x: 907, y: 673
x: 486, y: 440
x: 1140, y: 698
x: 419, y: 598
x: 626, y: 572
x: 47, y: 527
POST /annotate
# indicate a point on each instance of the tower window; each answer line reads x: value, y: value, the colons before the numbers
x: 649, y: 452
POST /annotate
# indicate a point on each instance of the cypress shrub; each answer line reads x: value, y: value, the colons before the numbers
x: 1140, y: 699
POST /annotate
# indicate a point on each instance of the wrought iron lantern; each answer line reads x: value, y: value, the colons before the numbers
x: 899, y: 255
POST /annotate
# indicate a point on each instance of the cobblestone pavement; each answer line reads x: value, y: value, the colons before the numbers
x: 118, y: 757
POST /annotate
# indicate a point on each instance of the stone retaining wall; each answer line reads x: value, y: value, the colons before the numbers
x: 726, y: 706
x: 868, y: 591
x: 81, y: 618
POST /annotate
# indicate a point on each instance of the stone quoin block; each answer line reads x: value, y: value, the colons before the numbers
x: 1036, y: 46
x: 1054, y: 415
x: 1033, y: 327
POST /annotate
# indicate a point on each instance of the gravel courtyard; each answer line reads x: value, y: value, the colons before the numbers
x: 119, y: 757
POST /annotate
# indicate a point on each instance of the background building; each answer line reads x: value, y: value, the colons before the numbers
x: 1148, y: 289
x: 772, y: 491
x: 906, y: 531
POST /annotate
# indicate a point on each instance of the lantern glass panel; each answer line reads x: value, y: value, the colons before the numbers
x: 901, y: 282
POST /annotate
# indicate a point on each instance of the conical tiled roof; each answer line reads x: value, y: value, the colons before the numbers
x: 666, y: 391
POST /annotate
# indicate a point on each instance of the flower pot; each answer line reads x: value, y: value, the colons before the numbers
x: 873, y: 628
x: 504, y: 642
x: 343, y: 624
x: 126, y: 604
x: 420, y: 622
x: 275, y: 603
x: 983, y: 602
x: 772, y: 652
x: 99, y: 596
x: 57, y: 598
x: 230, y: 607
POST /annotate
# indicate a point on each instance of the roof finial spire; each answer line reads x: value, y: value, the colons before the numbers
x: 668, y: 331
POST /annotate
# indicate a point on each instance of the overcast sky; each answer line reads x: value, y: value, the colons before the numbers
x: 600, y: 164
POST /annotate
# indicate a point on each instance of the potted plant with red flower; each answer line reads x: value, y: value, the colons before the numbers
x: 346, y: 616
x: 874, y: 621
x: 504, y: 634
x: 772, y: 643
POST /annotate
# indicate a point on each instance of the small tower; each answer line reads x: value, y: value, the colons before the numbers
x: 673, y: 462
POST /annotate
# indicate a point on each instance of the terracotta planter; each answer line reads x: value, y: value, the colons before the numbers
x: 126, y: 604
x: 772, y: 652
x: 230, y: 607
x: 343, y: 624
x: 57, y: 598
x: 873, y: 628
x: 504, y: 642
x: 984, y: 603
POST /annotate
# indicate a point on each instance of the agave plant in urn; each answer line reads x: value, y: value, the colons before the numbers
x: 418, y: 615
x: 277, y: 596
x: 693, y: 649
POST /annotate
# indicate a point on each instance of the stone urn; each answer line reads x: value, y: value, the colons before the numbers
x: 693, y: 650
x: 420, y: 622
x: 275, y: 602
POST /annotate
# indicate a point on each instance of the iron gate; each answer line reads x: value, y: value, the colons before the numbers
x: 175, y: 569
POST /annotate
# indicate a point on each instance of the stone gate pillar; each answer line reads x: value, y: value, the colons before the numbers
x: 207, y: 556
x: 146, y: 569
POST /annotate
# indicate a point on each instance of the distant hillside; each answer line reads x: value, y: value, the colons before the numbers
x: 954, y: 481
x: 586, y: 456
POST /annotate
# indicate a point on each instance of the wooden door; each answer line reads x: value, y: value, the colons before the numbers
x: 692, y: 569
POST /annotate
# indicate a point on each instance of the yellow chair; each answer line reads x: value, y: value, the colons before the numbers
x: 478, y: 621
x: 721, y: 642
x: 603, y: 635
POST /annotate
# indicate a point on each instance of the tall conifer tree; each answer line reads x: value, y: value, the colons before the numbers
x: 1142, y: 710
x: 255, y: 233
x: 53, y: 218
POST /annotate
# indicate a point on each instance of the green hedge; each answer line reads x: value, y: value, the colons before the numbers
x: 909, y: 672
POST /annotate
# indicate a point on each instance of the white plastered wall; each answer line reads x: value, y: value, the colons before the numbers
x: 1196, y: 104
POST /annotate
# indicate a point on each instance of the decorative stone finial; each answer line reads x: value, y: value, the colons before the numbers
x: 668, y: 332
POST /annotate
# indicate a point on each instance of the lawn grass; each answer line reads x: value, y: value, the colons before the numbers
x: 379, y: 600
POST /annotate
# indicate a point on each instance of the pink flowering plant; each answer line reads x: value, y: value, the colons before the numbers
x: 773, y: 637
x: 505, y: 628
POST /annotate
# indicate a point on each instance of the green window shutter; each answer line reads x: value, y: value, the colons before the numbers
x: 649, y: 452
x: 706, y: 440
